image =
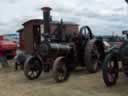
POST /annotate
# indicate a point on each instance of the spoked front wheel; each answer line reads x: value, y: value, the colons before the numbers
x: 110, y: 70
x: 60, y: 70
x: 125, y: 67
x: 32, y: 68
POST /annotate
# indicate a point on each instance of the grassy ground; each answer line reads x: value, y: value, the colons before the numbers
x: 14, y: 83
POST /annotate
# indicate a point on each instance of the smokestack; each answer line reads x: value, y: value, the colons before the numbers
x: 126, y: 1
x: 46, y: 16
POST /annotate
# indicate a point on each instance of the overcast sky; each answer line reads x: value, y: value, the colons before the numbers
x: 103, y: 16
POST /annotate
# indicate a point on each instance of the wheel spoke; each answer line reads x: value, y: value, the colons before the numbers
x: 61, y: 73
x: 33, y: 69
x: 94, y: 58
x: 110, y: 77
x: 35, y: 73
x: 112, y: 70
x: 31, y: 73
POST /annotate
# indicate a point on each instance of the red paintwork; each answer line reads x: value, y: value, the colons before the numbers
x: 1, y: 38
x: 22, y: 44
x: 7, y: 46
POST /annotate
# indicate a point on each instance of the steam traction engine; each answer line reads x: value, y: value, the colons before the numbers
x: 61, y: 53
x: 115, y: 56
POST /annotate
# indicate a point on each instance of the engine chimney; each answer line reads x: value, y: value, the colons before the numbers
x: 46, y: 16
x: 126, y: 1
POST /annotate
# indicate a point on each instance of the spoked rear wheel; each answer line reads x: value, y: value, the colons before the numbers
x: 32, y: 68
x: 91, y: 57
x: 110, y: 70
x: 125, y: 67
x: 60, y: 70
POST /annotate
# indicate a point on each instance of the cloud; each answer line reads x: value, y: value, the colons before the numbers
x: 103, y: 16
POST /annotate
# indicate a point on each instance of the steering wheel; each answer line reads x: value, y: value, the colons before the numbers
x: 86, y: 32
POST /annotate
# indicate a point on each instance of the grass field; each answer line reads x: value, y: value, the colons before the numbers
x: 14, y: 83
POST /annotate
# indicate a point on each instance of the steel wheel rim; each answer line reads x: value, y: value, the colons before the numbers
x: 94, y: 58
x: 111, y: 71
x: 61, y: 72
x: 33, y: 69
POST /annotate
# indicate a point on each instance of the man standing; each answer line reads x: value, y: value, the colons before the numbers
x: 3, y: 60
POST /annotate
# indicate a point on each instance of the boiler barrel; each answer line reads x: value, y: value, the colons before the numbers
x: 59, y: 49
